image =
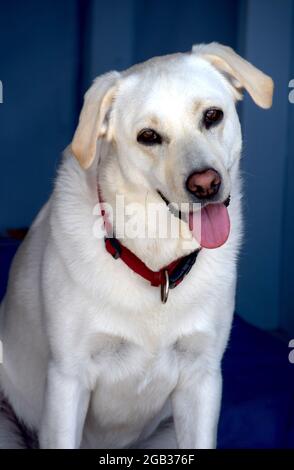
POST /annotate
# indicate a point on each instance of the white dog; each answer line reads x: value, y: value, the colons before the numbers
x: 93, y: 355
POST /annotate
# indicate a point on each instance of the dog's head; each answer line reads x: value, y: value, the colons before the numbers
x: 173, y: 124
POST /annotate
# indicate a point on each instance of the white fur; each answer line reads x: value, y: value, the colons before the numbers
x: 92, y: 358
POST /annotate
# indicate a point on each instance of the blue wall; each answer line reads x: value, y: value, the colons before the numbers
x: 51, y: 51
x: 287, y: 257
x: 165, y: 26
x: 264, y: 274
x: 38, y: 69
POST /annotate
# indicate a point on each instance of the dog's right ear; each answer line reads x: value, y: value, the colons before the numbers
x: 94, y: 118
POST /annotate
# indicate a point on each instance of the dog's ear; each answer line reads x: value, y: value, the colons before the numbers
x: 242, y: 73
x: 94, y: 118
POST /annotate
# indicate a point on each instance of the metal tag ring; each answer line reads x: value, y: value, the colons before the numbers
x: 165, y: 287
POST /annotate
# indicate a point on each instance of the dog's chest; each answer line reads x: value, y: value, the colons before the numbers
x: 115, y: 359
x: 131, y: 377
x: 133, y: 381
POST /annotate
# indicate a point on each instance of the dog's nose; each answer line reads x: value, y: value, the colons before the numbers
x: 204, y: 184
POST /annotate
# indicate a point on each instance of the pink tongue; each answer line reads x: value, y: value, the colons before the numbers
x: 214, y: 228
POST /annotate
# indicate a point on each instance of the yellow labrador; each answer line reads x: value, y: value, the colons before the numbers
x: 117, y: 351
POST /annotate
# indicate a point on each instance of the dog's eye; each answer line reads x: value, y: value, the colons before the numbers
x: 149, y: 137
x: 212, y: 116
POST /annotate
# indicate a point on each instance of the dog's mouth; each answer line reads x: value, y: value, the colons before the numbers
x: 210, y: 226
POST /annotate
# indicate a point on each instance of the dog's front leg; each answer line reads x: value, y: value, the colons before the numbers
x: 196, y: 405
x: 65, y: 408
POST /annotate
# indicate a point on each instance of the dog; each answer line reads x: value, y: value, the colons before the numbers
x: 114, y: 340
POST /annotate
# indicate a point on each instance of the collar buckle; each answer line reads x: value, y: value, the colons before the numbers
x: 113, y: 246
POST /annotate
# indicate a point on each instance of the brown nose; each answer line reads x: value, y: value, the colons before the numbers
x: 204, y: 184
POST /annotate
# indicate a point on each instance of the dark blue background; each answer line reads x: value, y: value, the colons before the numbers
x: 51, y: 50
x: 49, y: 53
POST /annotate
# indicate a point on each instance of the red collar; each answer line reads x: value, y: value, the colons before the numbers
x: 167, y: 277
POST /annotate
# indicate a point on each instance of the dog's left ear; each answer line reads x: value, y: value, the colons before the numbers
x: 245, y: 75
x: 94, y: 118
